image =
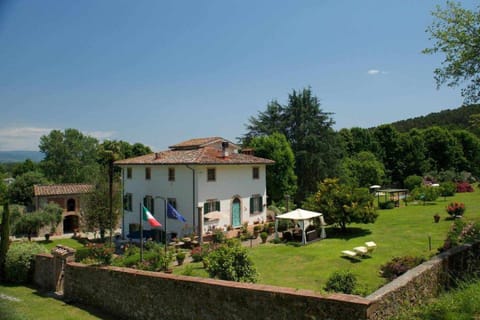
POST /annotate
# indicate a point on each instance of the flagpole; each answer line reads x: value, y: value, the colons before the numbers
x: 165, y: 219
x: 141, y: 233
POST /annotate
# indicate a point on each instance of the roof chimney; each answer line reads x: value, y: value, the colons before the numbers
x: 225, y: 149
x: 157, y: 155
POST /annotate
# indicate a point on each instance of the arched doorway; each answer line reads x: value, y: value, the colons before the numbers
x: 70, y: 223
x: 70, y: 205
x: 236, y: 213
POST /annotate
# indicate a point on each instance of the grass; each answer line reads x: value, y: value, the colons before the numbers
x: 397, y: 232
x: 461, y: 303
x: 24, y: 303
x: 69, y: 242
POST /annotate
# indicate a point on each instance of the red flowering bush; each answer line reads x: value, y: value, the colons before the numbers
x: 456, y: 209
x: 464, y: 187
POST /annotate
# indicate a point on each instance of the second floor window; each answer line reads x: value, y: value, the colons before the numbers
x: 171, y: 174
x: 211, y: 174
x: 129, y: 173
x: 256, y: 173
x: 127, y: 202
x: 148, y: 173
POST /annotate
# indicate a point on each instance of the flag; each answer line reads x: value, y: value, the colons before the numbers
x: 147, y: 216
x: 174, y: 214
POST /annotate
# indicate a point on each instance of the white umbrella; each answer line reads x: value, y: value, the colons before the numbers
x: 214, y: 215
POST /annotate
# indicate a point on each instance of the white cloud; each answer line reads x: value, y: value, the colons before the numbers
x: 101, y: 135
x: 24, y: 138
x: 374, y: 72
x: 28, y: 138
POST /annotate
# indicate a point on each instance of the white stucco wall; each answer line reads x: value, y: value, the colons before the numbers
x: 231, y: 181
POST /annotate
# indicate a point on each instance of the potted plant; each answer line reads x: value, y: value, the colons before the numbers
x: 264, y: 236
x: 436, y: 217
x: 180, y: 257
x: 256, y: 230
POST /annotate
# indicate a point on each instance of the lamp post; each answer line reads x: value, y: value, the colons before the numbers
x: 200, y: 223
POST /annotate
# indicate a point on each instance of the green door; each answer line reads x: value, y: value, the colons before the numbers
x: 236, y: 222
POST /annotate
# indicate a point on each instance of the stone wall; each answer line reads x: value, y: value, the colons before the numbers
x: 44, y: 275
x: 131, y: 294
x: 425, y: 281
x: 134, y: 294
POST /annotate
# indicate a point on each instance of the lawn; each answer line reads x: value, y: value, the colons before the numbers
x: 23, y: 303
x: 69, y: 242
x: 397, y: 232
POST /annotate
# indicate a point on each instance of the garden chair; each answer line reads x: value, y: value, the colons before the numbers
x: 361, y: 251
x: 349, y: 254
x: 370, y: 245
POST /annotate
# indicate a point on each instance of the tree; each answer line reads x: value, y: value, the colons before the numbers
x: 388, y: 138
x: 21, y: 190
x: 309, y: 131
x: 443, y: 150
x: 70, y: 156
x: 362, y: 170
x: 96, y: 213
x: 24, y: 167
x: 412, y: 153
x: 281, y: 178
x: 31, y: 223
x: 456, y: 32
x: 341, y: 204
x: 4, y: 238
x: 470, y: 145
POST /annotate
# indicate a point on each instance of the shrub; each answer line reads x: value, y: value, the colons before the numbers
x: 464, y: 187
x: 231, y: 262
x: 264, y: 236
x: 455, y: 209
x: 448, y: 189
x: 386, y: 205
x: 218, y: 236
x: 341, y: 281
x: 461, y: 232
x: 399, y: 265
x: 95, y: 254
x: 426, y: 193
x: 20, y: 261
x: 198, y: 253
x: 411, y: 182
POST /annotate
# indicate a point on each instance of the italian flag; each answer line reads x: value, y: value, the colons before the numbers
x: 147, y: 216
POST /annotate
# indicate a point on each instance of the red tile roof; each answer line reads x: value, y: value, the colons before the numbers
x: 205, y: 155
x: 61, y: 189
x: 199, y: 143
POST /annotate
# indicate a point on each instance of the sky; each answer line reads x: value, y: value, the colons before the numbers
x: 161, y: 72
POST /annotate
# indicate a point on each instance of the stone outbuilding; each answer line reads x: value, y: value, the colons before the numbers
x: 68, y: 197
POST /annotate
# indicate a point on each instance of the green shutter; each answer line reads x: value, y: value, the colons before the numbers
x: 260, y: 207
x: 217, y: 205
x: 251, y: 206
x: 205, y: 208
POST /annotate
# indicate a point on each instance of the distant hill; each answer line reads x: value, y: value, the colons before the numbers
x: 20, y: 156
x: 452, y: 119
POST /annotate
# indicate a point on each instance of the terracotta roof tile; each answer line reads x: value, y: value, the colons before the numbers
x: 61, y: 189
x: 200, y: 143
x: 205, y: 155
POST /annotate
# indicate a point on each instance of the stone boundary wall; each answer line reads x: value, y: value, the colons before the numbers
x: 425, y: 281
x: 44, y: 275
x: 134, y: 294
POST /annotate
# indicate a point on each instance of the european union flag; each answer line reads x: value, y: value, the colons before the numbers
x: 174, y: 214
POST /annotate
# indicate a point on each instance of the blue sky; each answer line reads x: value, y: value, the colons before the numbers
x: 160, y: 72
